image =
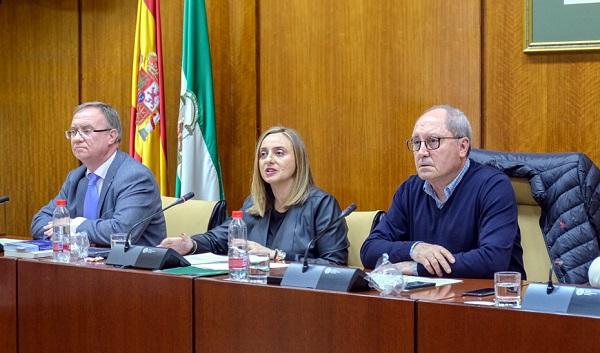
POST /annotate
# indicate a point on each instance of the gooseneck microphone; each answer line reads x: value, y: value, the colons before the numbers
x: 180, y: 200
x: 4, y: 199
x: 147, y: 257
x: 550, y: 287
x: 334, y: 222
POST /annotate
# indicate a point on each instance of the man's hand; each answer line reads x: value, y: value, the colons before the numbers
x: 182, y: 244
x: 48, y: 230
x: 435, y: 258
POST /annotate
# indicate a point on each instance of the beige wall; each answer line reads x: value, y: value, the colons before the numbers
x: 350, y: 75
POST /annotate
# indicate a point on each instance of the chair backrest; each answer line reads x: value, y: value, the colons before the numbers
x: 193, y: 216
x: 536, y: 259
x: 360, y: 225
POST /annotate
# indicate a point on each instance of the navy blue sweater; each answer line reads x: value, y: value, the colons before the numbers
x: 478, y: 225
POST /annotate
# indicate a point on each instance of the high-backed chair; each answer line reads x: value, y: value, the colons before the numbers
x: 535, y: 255
x: 360, y: 225
x: 193, y: 216
x: 566, y: 186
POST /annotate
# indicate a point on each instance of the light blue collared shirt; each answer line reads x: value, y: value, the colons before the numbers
x: 449, y: 189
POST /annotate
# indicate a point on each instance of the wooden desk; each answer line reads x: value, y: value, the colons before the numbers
x: 239, y: 317
x: 451, y: 326
x: 69, y: 308
x: 8, y: 305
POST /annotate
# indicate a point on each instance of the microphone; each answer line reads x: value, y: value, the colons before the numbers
x: 550, y: 288
x: 147, y: 257
x: 4, y: 199
x: 345, y: 213
x: 335, y: 278
x: 180, y: 200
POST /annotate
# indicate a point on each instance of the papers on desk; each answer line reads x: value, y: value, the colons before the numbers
x: 215, y: 262
x: 438, y: 281
x: 206, y: 258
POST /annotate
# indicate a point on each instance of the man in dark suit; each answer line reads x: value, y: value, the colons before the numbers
x: 110, y: 191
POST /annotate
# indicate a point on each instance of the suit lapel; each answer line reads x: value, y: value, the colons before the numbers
x: 80, y: 192
x: 110, y: 175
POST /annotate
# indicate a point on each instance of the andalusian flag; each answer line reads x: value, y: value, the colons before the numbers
x: 148, y: 129
x: 198, y: 167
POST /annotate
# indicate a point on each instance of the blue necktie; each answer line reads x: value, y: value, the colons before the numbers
x: 90, y: 204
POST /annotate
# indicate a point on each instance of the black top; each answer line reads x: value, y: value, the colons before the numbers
x: 274, y: 224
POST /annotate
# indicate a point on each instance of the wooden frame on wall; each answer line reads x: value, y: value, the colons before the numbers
x: 562, y: 25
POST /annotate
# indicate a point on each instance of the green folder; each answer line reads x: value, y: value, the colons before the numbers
x: 194, y: 271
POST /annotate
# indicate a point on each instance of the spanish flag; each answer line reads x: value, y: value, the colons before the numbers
x: 148, y: 129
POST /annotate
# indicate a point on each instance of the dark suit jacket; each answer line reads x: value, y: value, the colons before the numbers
x: 128, y: 195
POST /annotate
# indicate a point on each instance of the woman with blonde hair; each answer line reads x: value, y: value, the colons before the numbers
x: 284, y: 211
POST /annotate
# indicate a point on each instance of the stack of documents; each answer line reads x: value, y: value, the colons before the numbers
x: 30, y: 249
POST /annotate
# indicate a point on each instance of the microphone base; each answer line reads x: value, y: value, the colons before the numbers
x: 145, y: 257
x: 339, y: 279
x: 563, y: 299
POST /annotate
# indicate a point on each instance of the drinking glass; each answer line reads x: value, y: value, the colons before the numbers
x: 507, y: 287
x: 79, y: 246
x: 258, y: 269
x: 117, y: 239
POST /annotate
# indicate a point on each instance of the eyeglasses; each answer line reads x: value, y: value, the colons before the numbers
x: 431, y: 143
x: 85, y: 132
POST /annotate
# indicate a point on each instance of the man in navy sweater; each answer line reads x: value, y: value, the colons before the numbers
x: 457, y: 217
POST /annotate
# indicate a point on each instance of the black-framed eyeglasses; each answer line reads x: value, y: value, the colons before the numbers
x: 85, y: 132
x: 431, y: 143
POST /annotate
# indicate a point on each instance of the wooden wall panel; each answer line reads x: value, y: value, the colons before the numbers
x: 546, y: 102
x: 352, y: 77
x: 107, y: 48
x: 38, y: 90
x: 232, y: 29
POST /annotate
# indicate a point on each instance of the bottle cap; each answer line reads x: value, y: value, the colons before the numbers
x: 61, y: 202
x: 237, y: 214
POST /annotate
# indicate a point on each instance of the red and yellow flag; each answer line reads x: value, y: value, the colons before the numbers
x: 148, y: 129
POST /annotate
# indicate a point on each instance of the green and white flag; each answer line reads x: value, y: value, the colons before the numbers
x: 198, y: 168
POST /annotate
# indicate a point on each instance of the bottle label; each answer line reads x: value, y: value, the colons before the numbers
x: 237, y: 262
x: 57, y: 246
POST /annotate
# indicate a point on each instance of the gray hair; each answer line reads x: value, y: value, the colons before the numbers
x: 457, y: 122
x: 110, y: 114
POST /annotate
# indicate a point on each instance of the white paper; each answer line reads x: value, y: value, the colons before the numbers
x: 576, y: 2
x: 438, y: 281
x: 9, y: 240
x: 475, y: 302
x: 205, y: 258
x: 225, y: 265
x: 220, y: 266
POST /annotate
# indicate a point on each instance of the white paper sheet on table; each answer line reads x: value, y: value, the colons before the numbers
x: 205, y: 258
x: 437, y: 281
x: 218, y: 262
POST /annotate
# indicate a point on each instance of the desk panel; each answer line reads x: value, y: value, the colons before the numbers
x: 240, y: 317
x: 452, y: 327
x: 68, y: 308
x: 8, y: 305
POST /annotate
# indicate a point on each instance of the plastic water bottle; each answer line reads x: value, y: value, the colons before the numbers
x: 61, y: 221
x: 238, y: 248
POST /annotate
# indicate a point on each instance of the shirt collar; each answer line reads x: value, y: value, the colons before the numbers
x: 102, y: 170
x: 449, y: 189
